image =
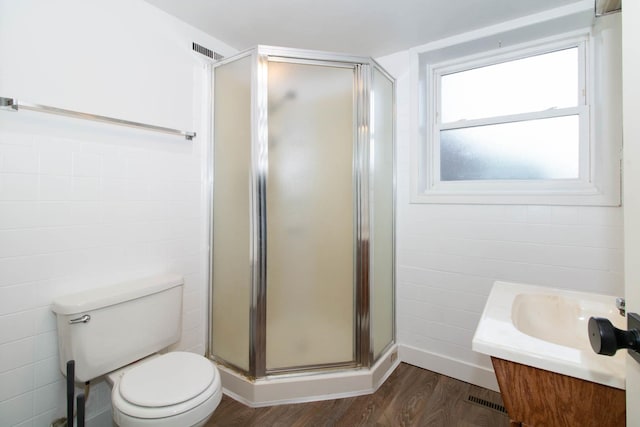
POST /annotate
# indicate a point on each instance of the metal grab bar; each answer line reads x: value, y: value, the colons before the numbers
x: 15, y: 105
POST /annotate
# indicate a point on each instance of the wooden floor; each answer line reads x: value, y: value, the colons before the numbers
x: 410, y: 397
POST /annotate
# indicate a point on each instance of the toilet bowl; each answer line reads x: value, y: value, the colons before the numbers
x: 171, y: 390
x: 118, y: 331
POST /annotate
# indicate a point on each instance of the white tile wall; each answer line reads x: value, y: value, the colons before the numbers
x: 77, y: 214
x: 86, y: 204
x: 448, y: 257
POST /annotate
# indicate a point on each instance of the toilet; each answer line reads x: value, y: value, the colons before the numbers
x: 119, y: 332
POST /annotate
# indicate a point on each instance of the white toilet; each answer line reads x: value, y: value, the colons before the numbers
x: 106, y: 330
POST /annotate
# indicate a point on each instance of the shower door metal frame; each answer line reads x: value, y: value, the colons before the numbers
x: 260, y: 161
x: 362, y: 84
x: 363, y: 70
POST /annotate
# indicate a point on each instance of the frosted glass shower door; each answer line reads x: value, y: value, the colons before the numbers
x: 310, y: 217
x: 382, y: 199
x: 231, y: 223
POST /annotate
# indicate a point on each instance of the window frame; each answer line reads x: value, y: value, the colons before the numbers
x: 599, y: 167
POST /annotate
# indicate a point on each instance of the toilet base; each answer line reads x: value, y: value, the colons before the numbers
x: 196, y: 417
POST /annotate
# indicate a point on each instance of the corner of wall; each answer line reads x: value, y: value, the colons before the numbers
x: 450, y: 367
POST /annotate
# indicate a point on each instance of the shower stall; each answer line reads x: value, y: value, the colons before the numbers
x: 302, y: 235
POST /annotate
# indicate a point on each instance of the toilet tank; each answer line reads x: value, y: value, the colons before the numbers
x: 106, y: 328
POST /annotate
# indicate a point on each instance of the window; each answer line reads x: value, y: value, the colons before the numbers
x: 514, y: 120
x: 518, y: 124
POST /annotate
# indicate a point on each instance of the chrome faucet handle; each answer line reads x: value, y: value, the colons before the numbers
x: 621, y: 306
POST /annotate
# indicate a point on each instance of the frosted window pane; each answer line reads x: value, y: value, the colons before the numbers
x: 310, y: 237
x: 535, y: 83
x: 535, y: 149
x: 382, y: 133
x: 231, y: 209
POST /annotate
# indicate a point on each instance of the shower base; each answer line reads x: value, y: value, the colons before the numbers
x: 308, y: 387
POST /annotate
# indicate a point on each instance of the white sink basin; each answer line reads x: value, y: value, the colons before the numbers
x: 547, y: 328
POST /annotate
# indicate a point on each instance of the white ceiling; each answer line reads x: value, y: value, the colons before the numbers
x: 362, y: 27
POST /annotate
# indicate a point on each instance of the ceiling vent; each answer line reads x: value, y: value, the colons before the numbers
x: 206, y: 52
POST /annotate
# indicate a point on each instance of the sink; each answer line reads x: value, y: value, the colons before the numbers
x: 546, y: 328
x: 561, y: 319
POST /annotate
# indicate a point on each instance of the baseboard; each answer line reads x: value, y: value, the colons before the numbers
x: 453, y: 368
x: 350, y: 383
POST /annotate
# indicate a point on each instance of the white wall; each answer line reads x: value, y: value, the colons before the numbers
x: 448, y: 257
x: 83, y: 204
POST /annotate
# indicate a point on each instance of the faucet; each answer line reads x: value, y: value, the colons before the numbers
x: 620, y: 305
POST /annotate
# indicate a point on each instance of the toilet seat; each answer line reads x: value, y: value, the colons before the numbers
x: 167, y: 380
x: 168, y: 386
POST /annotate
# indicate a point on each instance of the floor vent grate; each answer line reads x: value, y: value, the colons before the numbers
x: 487, y: 404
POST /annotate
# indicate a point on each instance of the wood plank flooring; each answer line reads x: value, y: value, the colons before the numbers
x: 410, y: 397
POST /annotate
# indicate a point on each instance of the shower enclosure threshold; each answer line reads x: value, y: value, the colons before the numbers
x: 314, y: 386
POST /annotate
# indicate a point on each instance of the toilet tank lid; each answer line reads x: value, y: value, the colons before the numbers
x: 92, y: 299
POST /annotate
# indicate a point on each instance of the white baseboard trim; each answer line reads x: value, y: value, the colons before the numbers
x: 349, y: 383
x: 453, y: 368
x: 310, y: 387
